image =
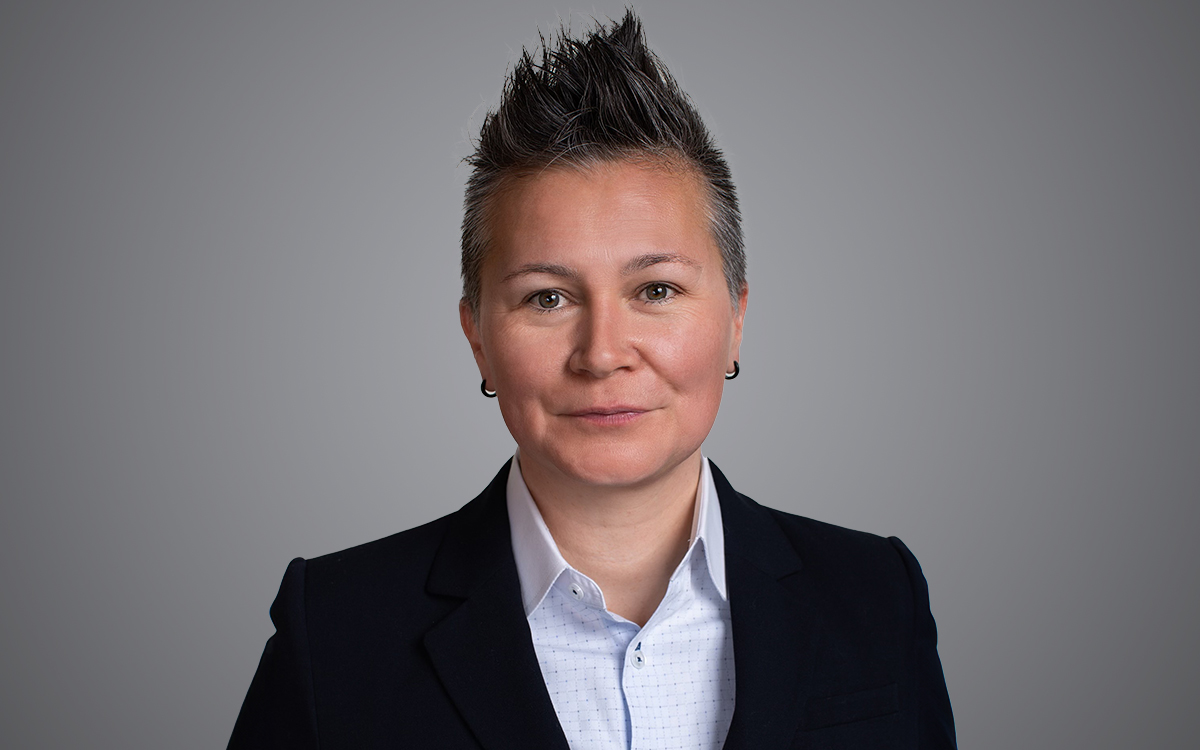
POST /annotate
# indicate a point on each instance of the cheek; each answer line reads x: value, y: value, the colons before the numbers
x: 523, y: 369
x: 691, y: 352
x: 518, y: 399
x: 520, y: 357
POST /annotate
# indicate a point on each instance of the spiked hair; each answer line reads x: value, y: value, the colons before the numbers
x: 603, y: 98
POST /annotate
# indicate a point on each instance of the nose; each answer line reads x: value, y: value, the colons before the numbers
x: 603, y: 340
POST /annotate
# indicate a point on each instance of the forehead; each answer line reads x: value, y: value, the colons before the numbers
x: 610, y: 210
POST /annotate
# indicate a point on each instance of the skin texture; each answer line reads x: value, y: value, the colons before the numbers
x: 606, y: 328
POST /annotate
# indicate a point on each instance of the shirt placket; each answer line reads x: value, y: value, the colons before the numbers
x: 644, y: 671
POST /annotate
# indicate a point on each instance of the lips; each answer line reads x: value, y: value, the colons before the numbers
x: 608, y: 416
x: 604, y: 411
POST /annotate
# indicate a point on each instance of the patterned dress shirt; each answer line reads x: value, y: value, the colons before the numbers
x: 616, y: 686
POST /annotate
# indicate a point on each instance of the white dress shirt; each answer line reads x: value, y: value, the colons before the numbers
x: 614, y: 685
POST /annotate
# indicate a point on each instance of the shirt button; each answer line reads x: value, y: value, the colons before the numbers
x: 576, y: 591
x: 639, y: 661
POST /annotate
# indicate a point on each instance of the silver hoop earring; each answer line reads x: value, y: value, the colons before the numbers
x: 492, y: 394
x: 736, y: 371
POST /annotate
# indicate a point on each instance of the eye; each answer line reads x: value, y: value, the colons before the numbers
x: 658, y: 292
x: 548, y: 300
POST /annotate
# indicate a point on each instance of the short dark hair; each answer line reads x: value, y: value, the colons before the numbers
x: 599, y: 99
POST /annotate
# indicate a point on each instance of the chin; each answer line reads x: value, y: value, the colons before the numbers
x: 617, y: 465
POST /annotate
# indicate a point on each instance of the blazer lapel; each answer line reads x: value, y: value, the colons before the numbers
x: 773, y: 638
x: 482, y: 651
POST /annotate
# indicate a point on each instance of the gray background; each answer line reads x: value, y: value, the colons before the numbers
x: 228, y: 330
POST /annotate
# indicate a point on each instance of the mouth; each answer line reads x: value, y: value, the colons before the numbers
x: 609, y: 415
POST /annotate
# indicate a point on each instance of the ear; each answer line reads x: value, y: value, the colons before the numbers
x: 739, y: 317
x: 470, y: 326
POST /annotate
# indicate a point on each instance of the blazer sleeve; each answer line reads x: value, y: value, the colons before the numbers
x: 280, y: 710
x: 935, y: 721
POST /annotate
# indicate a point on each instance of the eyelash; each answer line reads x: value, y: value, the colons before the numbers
x: 531, y: 301
x: 672, y: 291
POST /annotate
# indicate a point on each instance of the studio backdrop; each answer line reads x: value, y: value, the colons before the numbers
x: 229, y: 331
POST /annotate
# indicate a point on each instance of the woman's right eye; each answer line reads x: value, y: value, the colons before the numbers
x: 548, y: 300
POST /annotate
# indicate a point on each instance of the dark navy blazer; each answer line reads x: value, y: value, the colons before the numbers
x: 420, y: 640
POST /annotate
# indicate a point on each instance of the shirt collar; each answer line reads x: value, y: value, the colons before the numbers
x: 539, y: 563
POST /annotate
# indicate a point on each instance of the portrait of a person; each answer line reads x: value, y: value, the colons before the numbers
x: 610, y: 589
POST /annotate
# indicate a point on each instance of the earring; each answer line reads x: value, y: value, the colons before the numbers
x: 492, y: 394
x: 736, y: 371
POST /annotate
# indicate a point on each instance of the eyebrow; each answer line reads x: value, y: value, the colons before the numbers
x: 639, y: 263
x: 550, y: 269
x: 653, y: 259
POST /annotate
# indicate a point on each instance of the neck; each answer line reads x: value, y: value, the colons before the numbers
x: 629, y: 540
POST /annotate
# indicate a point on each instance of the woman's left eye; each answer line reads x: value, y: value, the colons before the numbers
x: 658, y: 292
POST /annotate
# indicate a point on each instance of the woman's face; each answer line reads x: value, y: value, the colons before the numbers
x: 605, y: 324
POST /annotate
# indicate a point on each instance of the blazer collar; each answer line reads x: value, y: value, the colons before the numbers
x: 773, y: 637
x: 483, y: 651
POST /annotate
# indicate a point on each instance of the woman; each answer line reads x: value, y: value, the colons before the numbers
x: 609, y: 589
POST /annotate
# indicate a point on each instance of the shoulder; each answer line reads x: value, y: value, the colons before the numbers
x: 359, y: 588
x: 872, y: 600
x: 406, y: 557
x: 403, y: 555
x: 828, y: 546
x: 405, y: 569
x: 757, y: 528
x: 857, y: 569
x: 345, y: 607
